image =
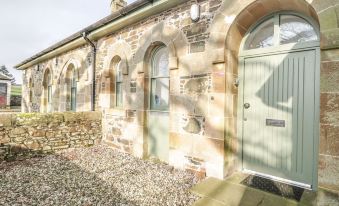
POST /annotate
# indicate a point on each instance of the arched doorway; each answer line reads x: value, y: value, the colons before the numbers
x: 158, y: 116
x: 279, y: 67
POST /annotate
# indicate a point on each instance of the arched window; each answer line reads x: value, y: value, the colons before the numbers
x: 160, y: 79
x: 281, y: 29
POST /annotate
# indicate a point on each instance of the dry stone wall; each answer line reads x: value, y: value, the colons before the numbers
x: 27, y: 135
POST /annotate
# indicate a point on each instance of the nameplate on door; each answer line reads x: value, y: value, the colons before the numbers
x: 275, y: 123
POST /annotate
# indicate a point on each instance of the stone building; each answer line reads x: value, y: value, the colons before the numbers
x: 5, y: 91
x: 214, y: 86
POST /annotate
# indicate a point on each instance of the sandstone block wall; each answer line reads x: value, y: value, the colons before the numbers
x: 191, y: 64
x: 34, y: 93
x: 328, y: 169
x: 26, y: 135
x: 197, y: 88
x: 203, y: 96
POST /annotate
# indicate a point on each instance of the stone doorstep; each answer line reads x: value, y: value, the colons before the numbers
x: 232, y: 194
x: 205, y: 201
x: 215, y: 192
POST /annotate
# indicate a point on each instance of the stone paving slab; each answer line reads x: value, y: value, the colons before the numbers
x: 231, y: 194
x: 205, y: 201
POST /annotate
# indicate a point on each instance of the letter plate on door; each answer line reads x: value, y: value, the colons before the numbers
x: 275, y: 123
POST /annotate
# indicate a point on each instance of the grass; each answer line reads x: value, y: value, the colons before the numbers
x: 16, y: 90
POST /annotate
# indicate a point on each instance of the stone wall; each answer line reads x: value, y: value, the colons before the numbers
x: 187, y: 41
x: 203, y: 96
x: 196, y: 91
x: 329, y: 121
x: 34, y: 81
x: 26, y: 135
x: 328, y: 169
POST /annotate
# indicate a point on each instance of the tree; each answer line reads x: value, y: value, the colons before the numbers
x: 4, y: 70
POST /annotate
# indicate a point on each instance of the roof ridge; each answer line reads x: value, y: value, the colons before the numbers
x: 100, y: 23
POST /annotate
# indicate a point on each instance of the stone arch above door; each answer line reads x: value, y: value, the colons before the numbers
x: 235, y: 19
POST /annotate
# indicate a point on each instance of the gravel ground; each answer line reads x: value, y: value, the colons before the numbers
x: 93, y: 176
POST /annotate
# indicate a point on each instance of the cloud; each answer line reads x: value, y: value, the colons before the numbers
x: 28, y: 27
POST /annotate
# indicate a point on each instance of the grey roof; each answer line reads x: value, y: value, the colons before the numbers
x: 114, y: 16
x: 4, y: 77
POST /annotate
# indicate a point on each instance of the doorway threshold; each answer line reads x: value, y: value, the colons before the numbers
x: 230, y: 192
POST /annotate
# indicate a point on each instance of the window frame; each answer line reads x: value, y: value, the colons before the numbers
x: 118, y: 81
x: 277, y: 47
x: 255, y: 31
x: 155, y: 78
x: 49, y: 86
x: 73, y: 92
x: 30, y: 87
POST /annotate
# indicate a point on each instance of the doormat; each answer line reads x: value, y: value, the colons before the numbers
x: 277, y: 188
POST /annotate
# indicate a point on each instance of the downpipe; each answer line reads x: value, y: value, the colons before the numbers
x: 94, y: 57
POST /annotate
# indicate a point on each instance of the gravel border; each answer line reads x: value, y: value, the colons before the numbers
x: 93, y: 176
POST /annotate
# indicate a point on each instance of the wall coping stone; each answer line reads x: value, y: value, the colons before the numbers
x: 29, y: 119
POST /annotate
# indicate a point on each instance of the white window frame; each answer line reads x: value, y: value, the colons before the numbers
x: 154, y: 79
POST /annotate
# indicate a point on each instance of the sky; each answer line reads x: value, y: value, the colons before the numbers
x: 30, y: 26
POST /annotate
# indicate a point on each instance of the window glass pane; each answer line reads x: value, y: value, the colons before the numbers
x: 3, y: 89
x: 294, y: 29
x: 73, y: 99
x: 49, y: 79
x: 262, y: 36
x: 160, y: 63
x: 119, y: 71
x: 74, y: 81
x: 119, y: 94
x: 49, y: 99
x: 49, y: 94
x: 160, y: 93
x: 30, y: 96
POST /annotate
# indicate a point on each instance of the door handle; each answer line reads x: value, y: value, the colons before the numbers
x: 247, y: 105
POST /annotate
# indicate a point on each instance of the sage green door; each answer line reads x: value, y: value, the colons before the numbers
x: 158, y: 116
x: 279, y: 114
x: 158, y: 142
